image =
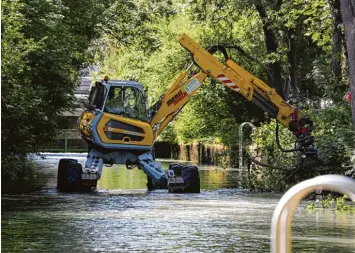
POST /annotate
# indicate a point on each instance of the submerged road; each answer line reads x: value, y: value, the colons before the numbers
x: 121, y: 216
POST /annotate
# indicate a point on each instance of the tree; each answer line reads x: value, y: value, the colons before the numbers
x: 271, y: 43
x: 44, y: 45
x: 348, y: 14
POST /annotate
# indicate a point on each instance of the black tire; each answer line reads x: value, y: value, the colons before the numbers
x: 191, y: 179
x: 69, y: 175
x: 190, y: 175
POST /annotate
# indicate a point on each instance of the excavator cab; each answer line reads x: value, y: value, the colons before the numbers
x: 124, y: 99
x: 117, y: 117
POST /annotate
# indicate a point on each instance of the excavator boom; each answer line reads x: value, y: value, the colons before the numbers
x: 238, y: 79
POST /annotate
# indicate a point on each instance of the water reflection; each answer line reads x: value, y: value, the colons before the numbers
x: 118, y: 177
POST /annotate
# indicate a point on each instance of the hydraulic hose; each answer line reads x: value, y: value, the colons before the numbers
x: 214, y: 48
x: 262, y: 164
x: 279, y: 144
x: 293, y: 169
x: 241, y: 50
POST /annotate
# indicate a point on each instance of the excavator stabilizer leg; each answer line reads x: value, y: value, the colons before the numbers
x: 153, y: 170
x: 178, y: 179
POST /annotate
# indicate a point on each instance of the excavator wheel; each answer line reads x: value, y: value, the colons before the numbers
x: 191, y: 178
x: 69, y: 175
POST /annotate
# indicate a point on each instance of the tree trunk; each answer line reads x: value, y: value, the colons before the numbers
x: 348, y: 14
x: 271, y: 46
x: 337, y: 41
x: 292, y: 49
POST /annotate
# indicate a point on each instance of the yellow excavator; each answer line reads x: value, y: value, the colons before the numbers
x: 120, y: 129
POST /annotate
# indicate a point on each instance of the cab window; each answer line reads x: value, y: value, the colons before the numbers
x: 114, y: 102
x: 127, y: 102
x: 97, y: 96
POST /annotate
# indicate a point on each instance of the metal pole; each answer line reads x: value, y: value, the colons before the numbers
x: 65, y: 141
x: 282, y: 218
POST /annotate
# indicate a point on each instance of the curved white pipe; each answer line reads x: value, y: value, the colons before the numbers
x: 281, y: 220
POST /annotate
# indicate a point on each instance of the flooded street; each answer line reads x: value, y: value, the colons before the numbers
x: 121, y: 216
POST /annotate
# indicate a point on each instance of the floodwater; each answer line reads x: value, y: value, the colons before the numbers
x: 121, y: 216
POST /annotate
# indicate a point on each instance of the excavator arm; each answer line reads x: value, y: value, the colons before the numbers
x: 238, y: 79
x: 175, y: 99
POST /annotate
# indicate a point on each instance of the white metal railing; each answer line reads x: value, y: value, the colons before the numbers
x: 282, y: 218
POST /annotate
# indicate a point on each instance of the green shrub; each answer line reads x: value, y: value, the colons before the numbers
x: 334, y: 139
x: 334, y: 134
x: 330, y: 202
x: 265, y: 150
x: 16, y: 168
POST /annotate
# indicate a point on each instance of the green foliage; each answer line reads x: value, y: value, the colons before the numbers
x: 265, y: 145
x: 334, y: 134
x: 43, y: 46
x: 310, y: 205
x: 313, y: 17
x: 16, y: 168
x: 330, y: 202
x: 334, y: 140
x: 265, y: 150
x: 341, y: 204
